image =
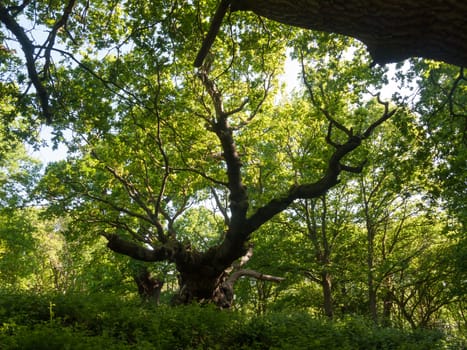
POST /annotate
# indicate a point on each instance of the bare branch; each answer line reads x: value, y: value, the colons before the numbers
x: 161, y: 149
x: 118, y: 224
x: 244, y: 259
x: 115, y: 207
x: 254, y: 274
x: 111, y: 85
x: 329, y: 137
x: 304, y: 191
x: 353, y: 169
x: 202, y: 174
x: 150, y: 217
x: 17, y: 9
x: 213, y: 92
x: 310, y: 276
x: 267, y: 86
x: 238, y: 109
x: 315, y: 102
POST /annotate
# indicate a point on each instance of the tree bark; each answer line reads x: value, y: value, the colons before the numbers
x: 392, y: 30
x: 149, y: 288
x: 326, y: 284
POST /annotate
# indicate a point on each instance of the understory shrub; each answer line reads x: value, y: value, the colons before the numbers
x: 110, y: 322
x: 301, y: 331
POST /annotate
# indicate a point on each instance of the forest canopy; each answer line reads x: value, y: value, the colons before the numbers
x: 219, y: 183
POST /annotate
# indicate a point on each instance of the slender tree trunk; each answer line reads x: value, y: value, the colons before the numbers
x: 387, y: 308
x: 326, y: 283
x: 318, y: 234
x: 371, y: 233
x: 264, y: 292
x: 372, y: 301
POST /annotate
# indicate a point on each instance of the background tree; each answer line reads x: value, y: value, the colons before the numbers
x: 18, y: 172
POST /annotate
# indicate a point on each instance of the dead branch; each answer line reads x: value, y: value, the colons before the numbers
x: 251, y: 273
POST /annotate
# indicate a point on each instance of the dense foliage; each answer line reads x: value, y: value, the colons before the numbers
x: 324, y: 216
x: 78, y: 323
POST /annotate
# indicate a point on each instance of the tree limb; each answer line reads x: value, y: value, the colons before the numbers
x: 167, y: 252
x: 220, y: 206
x: 244, y: 259
x: 53, y: 33
x: 461, y: 77
x: 327, y: 181
x: 392, y: 30
x: 311, y: 190
x: 28, y: 50
x: 251, y: 273
x: 238, y: 195
x: 212, y: 33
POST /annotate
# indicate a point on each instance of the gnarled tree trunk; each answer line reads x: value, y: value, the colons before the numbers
x: 208, y: 275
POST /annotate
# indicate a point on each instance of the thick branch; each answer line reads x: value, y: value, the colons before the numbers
x: 164, y: 253
x: 313, y: 190
x: 213, y: 30
x: 233, y: 245
x: 393, y: 30
x: 223, y: 295
x: 238, y: 196
x: 251, y: 273
x: 28, y: 50
x: 244, y: 259
x: 330, y: 178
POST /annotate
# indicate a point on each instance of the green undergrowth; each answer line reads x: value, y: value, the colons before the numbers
x: 110, y: 322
